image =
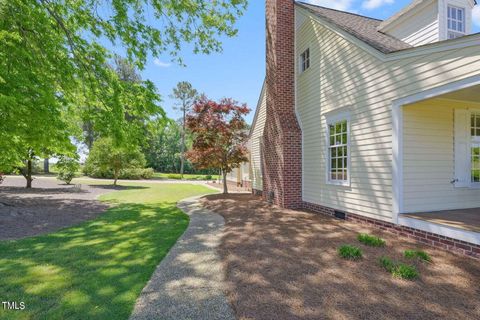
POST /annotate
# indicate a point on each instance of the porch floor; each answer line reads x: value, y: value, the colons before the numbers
x: 466, y: 219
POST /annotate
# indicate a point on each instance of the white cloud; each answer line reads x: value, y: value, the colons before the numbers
x: 374, y: 4
x: 476, y: 15
x: 161, y: 64
x: 343, y: 5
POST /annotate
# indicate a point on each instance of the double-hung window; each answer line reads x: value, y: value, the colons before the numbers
x: 338, y: 152
x: 475, y: 147
x: 305, y: 60
x: 455, y: 22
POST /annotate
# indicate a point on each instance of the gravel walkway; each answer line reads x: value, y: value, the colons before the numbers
x: 189, y: 282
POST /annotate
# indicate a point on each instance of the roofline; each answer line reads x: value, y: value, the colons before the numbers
x: 465, y: 41
x: 326, y: 20
x: 259, y: 103
x: 403, y: 12
x: 305, y: 5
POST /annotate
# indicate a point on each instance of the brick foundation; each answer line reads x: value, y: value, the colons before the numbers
x: 257, y: 192
x: 427, y: 238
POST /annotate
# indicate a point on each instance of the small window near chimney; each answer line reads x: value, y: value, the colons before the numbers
x: 456, y: 22
x: 305, y: 60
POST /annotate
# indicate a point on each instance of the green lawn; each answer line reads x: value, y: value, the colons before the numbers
x: 95, y: 270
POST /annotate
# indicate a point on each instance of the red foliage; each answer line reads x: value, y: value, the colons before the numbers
x: 219, y: 134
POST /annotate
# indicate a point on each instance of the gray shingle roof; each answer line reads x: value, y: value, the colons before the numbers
x: 361, y: 27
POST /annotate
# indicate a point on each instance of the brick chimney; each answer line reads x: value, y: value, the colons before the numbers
x: 282, y: 138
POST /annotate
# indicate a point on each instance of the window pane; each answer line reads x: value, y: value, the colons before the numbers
x: 454, y: 13
x: 475, y: 151
x: 340, y: 175
x: 340, y: 152
x: 338, y: 139
x: 460, y: 15
x: 338, y: 160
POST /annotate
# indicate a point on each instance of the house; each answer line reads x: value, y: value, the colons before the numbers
x: 374, y: 121
x: 242, y: 175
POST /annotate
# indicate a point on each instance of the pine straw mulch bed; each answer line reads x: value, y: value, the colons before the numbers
x: 48, y: 207
x: 284, y: 264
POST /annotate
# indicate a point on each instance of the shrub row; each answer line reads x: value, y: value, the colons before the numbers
x: 127, y: 174
x: 177, y: 176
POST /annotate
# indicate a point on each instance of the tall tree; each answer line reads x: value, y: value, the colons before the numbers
x: 52, y: 57
x: 219, y: 135
x: 185, y: 94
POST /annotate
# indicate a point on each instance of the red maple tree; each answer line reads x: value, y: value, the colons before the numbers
x: 219, y: 135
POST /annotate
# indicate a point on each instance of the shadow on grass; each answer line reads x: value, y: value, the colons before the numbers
x: 92, y: 271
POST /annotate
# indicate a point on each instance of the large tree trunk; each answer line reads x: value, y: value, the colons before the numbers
x: 46, y: 165
x: 225, y: 188
x: 28, y: 174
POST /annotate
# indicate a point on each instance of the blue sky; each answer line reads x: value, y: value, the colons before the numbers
x: 238, y: 71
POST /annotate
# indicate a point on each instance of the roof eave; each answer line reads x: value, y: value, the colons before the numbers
x: 469, y: 40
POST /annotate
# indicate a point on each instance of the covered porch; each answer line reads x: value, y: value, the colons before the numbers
x: 465, y: 219
x: 438, y: 161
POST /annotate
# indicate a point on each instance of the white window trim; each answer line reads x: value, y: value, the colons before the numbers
x: 473, y: 185
x: 464, y: 22
x: 332, y: 117
x: 443, y: 16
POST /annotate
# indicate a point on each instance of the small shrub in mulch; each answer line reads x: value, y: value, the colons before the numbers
x: 350, y: 252
x: 417, y: 254
x: 370, y: 240
x: 398, y: 269
x: 2, y: 177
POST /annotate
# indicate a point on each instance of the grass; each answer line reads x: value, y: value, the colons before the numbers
x: 350, y: 252
x: 97, y: 269
x: 370, y: 240
x: 177, y: 176
x: 398, y: 269
x: 417, y: 254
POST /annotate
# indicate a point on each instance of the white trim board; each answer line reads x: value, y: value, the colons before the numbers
x: 443, y: 230
x: 397, y: 134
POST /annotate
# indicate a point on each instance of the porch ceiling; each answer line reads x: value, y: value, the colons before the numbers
x: 466, y: 219
x: 471, y: 94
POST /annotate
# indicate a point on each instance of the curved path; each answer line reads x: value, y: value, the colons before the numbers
x: 189, y: 282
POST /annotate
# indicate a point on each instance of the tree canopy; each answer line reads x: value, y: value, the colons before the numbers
x: 56, y: 71
x: 219, y: 135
